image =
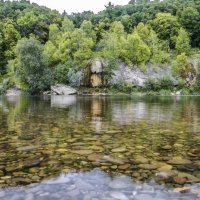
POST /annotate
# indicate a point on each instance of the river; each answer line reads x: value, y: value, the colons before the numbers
x: 99, y: 147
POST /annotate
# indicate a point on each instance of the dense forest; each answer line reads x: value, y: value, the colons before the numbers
x: 40, y: 47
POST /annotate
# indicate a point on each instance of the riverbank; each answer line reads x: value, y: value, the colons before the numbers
x: 135, y: 91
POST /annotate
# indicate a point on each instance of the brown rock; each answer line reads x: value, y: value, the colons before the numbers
x: 126, y: 166
x: 182, y: 189
x: 82, y: 152
x: 141, y: 160
x: 147, y: 166
x: 180, y: 180
x: 179, y: 161
x: 167, y: 147
x: 165, y: 168
x: 95, y: 157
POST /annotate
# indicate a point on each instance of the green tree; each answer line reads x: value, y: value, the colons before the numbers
x: 166, y: 26
x: 10, y: 37
x: 190, y: 20
x: 67, y: 25
x: 135, y: 52
x: 180, y: 63
x: 87, y: 28
x: 33, y: 71
x: 182, y: 42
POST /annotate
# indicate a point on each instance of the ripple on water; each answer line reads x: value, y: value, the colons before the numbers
x: 98, y: 185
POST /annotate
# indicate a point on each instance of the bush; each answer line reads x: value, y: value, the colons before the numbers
x: 5, y: 85
x: 61, y: 72
x: 166, y: 83
x: 74, y: 77
x: 38, y: 83
x: 152, y: 84
x: 198, y: 77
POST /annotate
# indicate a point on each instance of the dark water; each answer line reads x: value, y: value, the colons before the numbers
x: 99, y: 148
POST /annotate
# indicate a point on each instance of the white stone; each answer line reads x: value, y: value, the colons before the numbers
x: 61, y: 89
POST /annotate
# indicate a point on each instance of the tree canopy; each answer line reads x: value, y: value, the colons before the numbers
x: 137, y: 33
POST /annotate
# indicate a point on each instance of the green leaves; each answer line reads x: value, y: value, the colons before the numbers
x: 182, y: 42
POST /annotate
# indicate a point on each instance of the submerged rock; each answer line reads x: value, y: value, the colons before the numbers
x: 82, y: 152
x: 33, y: 161
x: 179, y: 161
x: 61, y: 89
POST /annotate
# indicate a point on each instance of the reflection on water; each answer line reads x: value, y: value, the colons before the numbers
x: 144, y: 138
x: 97, y: 186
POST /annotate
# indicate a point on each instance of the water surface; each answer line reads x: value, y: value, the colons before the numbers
x: 151, y: 145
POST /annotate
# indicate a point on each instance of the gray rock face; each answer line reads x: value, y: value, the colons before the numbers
x: 137, y: 77
x: 61, y: 89
x: 96, y: 66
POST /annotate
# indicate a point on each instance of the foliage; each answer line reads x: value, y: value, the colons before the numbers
x: 182, y: 42
x: 198, y: 77
x: 180, y: 63
x: 137, y: 33
x: 32, y: 68
x: 135, y: 52
x: 165, y: 83
x: 74, y: 77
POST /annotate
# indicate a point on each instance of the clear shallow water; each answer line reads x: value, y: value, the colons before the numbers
x: 152, y: 141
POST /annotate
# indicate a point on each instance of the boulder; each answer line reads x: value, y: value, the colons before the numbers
x: 61, y: 89
x: 13, y: 92
x: 96, y: 66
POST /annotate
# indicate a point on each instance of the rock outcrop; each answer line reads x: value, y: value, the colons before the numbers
x: 93, y: 74
x: 61, y: 89
x: 137, y: 77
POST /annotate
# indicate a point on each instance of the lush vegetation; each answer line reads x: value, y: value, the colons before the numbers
x: 40, y: 47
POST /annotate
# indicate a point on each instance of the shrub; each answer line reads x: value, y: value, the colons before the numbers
x: 74, y: 77
x: 61, y: 72
x: 165, y: 83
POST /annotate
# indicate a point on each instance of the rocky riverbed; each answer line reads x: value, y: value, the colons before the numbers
x: 142, y: 140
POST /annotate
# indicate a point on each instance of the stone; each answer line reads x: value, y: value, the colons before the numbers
x: 95, y: 157
x: 96, y: 80
x: 61, y: 150
x: 13, y: 92
x: 190, y: 178
x: 13, y: 168
x: 136, y: 76
x: 27, y: 148
x: 119, y: 150
x: 182, y: 189
x: 35, y: 178
x: 96, y: 66
x: 179, y: 161
x: 113, y: 160
x: 118, y: 195
x: 6, y: 177
x: 1, y: 173
x: 125, y: 166
x: 167, y: 147
x: 82, y: 152
x: 33, y: 161
x: 147, y: 166
x: 61, y: 89
x: 141, y: 160
x: 164, y: 176
x: 165, y: 168
x: 179, y: 180
x: 20, y: 180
